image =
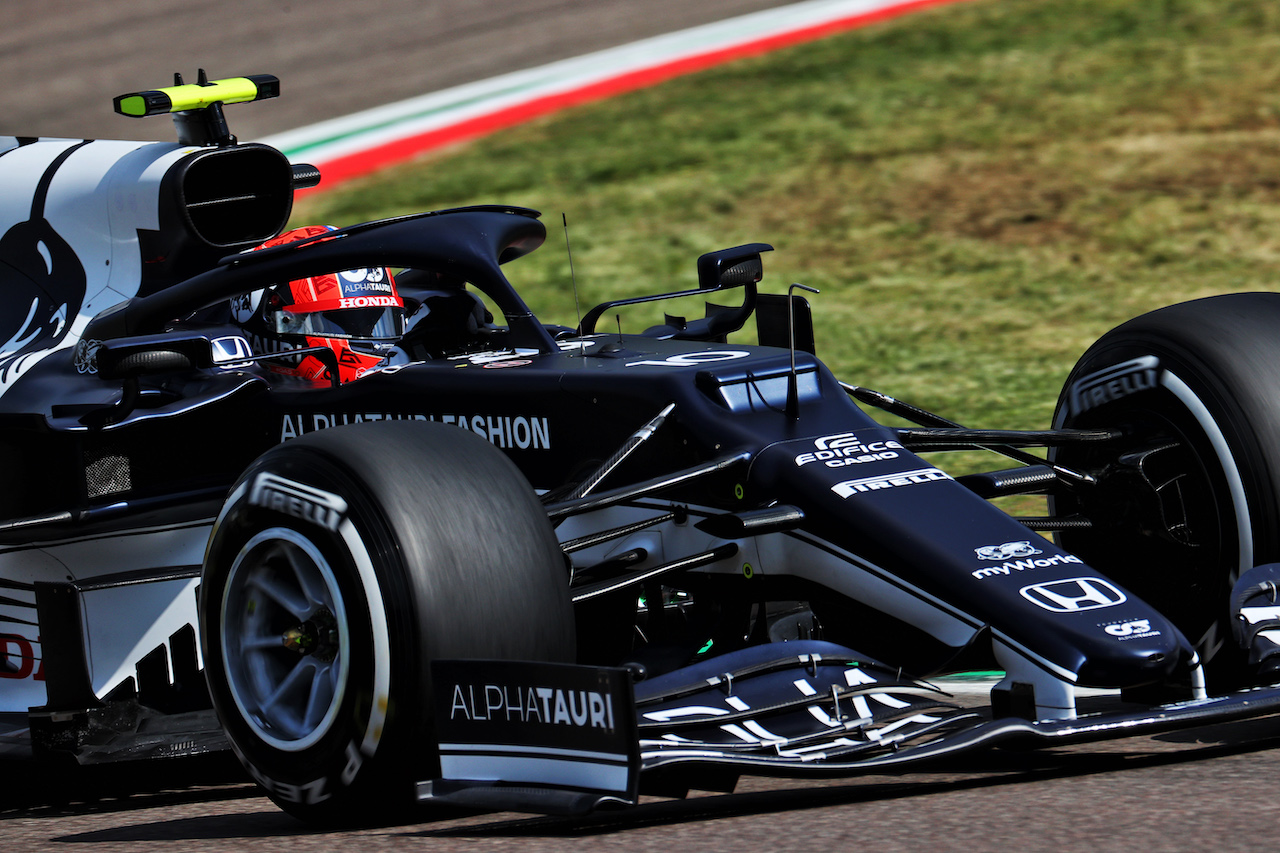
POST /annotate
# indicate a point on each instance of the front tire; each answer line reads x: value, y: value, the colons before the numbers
x: 1187, y: 500
x: 345, y: 561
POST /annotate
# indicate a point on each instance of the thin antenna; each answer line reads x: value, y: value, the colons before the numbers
x: 793, y: 388
x: 618, y: 317
x: 572, y: 276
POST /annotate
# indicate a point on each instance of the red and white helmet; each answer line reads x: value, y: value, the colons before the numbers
x: 356, y: 313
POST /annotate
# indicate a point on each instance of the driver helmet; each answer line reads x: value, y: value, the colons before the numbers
x: 356, y: 313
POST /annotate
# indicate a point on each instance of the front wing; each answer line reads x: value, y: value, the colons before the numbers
x: 561, y: 739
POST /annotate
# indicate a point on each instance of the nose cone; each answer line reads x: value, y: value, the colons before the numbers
x: 1131, y: 650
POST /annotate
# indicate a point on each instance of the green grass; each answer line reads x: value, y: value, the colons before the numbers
x: 979, y: 191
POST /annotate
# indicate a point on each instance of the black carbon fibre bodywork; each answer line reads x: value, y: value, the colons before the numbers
x: 562, y: 406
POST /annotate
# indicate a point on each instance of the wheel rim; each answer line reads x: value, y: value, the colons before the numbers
x: 1195, y: 575
x: 285, y: 639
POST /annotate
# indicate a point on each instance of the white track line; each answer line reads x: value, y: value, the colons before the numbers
x: 360, y: 132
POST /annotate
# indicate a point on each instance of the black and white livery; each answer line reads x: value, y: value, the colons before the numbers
x: 525, y: 565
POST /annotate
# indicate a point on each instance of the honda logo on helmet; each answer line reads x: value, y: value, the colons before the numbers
x: 1073, y: 595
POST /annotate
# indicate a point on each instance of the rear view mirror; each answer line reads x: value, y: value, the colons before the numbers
x: 740, y: 266
x: 732, y: 267
x: 151, y: 354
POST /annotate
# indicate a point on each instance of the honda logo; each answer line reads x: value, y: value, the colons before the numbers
x: 1073, y: 595
x: 231, y: 351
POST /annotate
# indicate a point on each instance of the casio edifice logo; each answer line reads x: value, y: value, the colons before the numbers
x: 837, y: 451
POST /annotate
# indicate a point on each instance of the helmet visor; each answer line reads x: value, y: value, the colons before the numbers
x: 370, y: 324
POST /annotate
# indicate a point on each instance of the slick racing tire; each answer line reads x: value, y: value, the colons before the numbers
x: 1187, y: 500
x: 342, y: 564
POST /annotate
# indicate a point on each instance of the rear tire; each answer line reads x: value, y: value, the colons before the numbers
x: 342, y: 564
x: 1188, y: 499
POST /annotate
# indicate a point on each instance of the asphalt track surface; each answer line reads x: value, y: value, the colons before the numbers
x: 1210, y: 789
x: 62, y: 61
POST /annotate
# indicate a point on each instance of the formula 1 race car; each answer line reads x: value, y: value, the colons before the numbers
x: 527, y: 566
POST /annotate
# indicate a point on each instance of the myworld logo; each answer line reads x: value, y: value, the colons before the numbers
x: 1011, y: 566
